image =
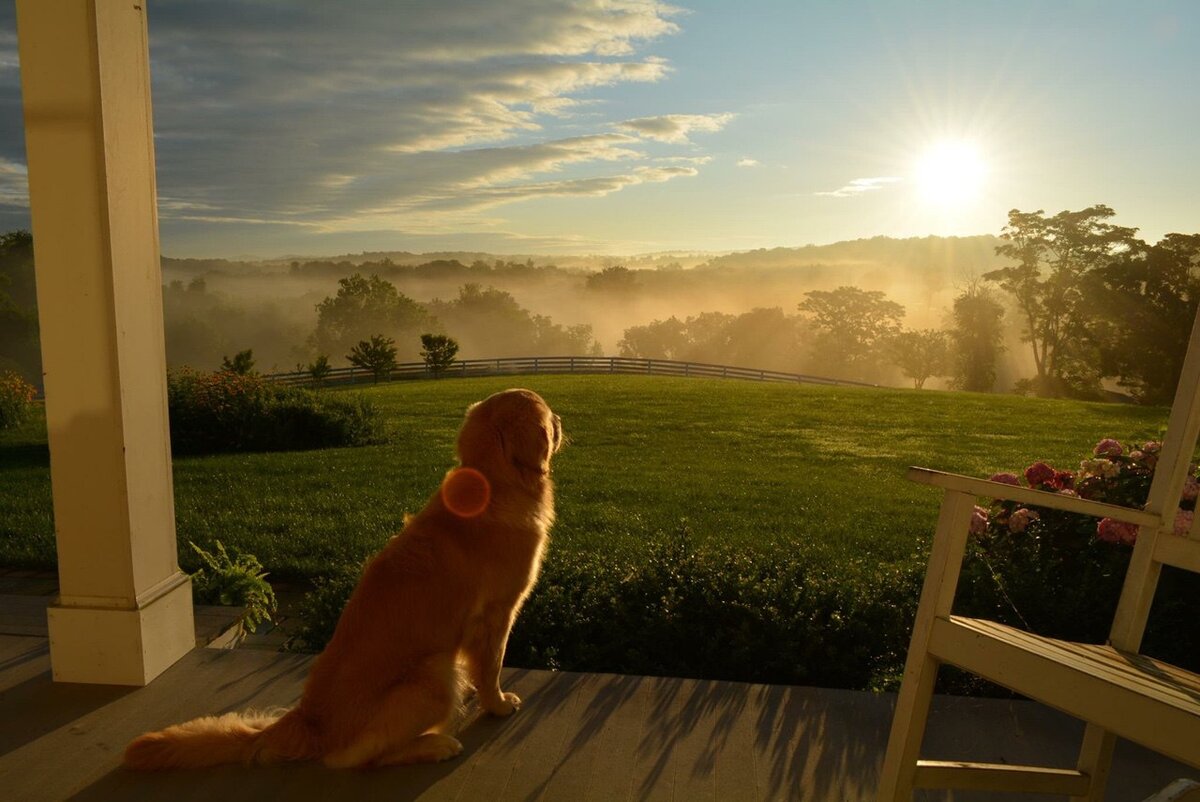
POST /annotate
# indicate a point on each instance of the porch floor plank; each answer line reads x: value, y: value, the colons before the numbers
x: 577, y: 738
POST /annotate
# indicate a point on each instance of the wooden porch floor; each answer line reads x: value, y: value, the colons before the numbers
x: 579, y: 737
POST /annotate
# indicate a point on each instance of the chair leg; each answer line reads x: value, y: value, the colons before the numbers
x: 908, y: 730
x: 1095, y: 760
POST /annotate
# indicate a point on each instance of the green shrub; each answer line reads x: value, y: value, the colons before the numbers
x: 322, y: 607
x: 16, y: 399
x: 227, y: 411
x: 234, y: 580
x: 711, y: 611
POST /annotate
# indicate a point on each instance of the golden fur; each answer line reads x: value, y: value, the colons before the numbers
x: 430, y: 616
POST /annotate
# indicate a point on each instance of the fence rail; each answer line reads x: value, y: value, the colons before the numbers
x: 560, y: 364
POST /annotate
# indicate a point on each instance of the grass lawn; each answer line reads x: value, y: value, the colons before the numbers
x: 815, y: 471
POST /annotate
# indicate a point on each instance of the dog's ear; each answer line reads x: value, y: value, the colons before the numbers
x: 526, y: 445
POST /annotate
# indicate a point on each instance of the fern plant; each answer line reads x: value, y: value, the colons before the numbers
x: 234, y: 580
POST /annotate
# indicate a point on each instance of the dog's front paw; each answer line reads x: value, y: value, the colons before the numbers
x: 506, y: 705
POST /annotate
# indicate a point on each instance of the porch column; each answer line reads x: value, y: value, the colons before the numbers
x: 124, y: 613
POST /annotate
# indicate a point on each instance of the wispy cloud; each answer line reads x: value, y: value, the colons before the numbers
x: 860, y: 185
x: 748, y: 163
x: 674, y: 128
x: 309, y: 115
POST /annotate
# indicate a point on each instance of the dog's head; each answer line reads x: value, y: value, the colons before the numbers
x: 510, y: 434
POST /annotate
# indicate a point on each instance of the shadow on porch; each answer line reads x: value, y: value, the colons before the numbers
x: 579, y: 737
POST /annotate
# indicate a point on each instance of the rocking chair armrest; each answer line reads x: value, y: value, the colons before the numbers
x: 1034, y: 498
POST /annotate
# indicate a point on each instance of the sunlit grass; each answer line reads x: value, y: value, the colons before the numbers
x: 816, y: 471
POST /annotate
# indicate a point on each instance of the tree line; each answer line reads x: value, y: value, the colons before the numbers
x: 1085, y: 304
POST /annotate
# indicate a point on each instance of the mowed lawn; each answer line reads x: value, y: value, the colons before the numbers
x: 816, y: 471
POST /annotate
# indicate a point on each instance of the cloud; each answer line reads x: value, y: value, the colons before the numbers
x: 323, y: 116
x: 860, y: 185
x: 14, y: 183
x: 674, y: 128
x: 748, y: 163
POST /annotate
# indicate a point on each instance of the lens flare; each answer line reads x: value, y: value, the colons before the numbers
x: 466, y: 492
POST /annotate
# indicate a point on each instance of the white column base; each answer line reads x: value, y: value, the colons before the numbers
x: 122, y: 646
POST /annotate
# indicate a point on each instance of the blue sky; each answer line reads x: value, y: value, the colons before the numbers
x: 627, y: 126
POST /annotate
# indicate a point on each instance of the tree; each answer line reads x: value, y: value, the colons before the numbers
x: 921, y: 354
x: 438, y: 351
x: 1052, y: 255
x: 977, y: 336
x: 615, y: 279
x: 241, y: 364
x: 659, y: 339
x: 1143, y: 304
x: 365, y: 304
x: 490, y: 322
x: 319, y: 369
x: 377, y: 355
x: 853, y: 326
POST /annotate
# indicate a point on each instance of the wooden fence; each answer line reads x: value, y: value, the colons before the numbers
x: 560, y: 364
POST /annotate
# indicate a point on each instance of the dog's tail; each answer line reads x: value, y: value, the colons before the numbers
x: 232, y: 738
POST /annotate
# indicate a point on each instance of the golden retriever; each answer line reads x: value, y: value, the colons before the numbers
x: 430, y: 616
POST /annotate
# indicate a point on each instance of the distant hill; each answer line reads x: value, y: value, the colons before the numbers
x: 969, y: 254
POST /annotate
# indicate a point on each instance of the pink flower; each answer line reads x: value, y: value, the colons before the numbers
x: 1005, y: 479
x: 1111, y: 531
x: 1183, y: 521
x: 979, y: 521
x: 1064, y: 480
x: 1020, y: 519
x: 1191, y: 489
x: 1039, y: 473
x: 1152, y: 447
x: 1136, y: 456
x: 1108, y: 447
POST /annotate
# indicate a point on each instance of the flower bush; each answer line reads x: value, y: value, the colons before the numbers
x: 1060, y: 574
x: 16, y: 399
x: 228, y: 411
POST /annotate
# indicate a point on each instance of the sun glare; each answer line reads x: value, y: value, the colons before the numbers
x: 950, y: 173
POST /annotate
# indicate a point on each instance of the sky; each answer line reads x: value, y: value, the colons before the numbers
x: 634, y: 126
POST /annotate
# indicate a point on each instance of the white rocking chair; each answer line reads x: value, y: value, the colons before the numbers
x: 1116, y: 690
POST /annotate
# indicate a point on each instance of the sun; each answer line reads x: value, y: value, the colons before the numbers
x: 950, y: 173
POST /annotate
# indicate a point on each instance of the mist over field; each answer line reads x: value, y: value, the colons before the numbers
x: 214, y: 308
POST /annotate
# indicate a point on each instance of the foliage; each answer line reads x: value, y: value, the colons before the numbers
x: 487, y: 320
x: 1052, y: 255
x: 616, y: 279
x: 363, y: 306
x: 659, y: 339
x: 763, y: 338
x: 19, y: 347
x: 378, y: 355
x: 1143, y: 305
x: 16, y: 399
x: 319, y: 369
x: 242, y: 362
x: 1060, y: 574
x: 978, y: 338
x: 234, y: 580
x: 322, y: 607
x: 853, y: 328
x: 685, y: 609
x: 201, y: 325
x: 438, y: 351
x: 226, y: 411
x: 921, y: 354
